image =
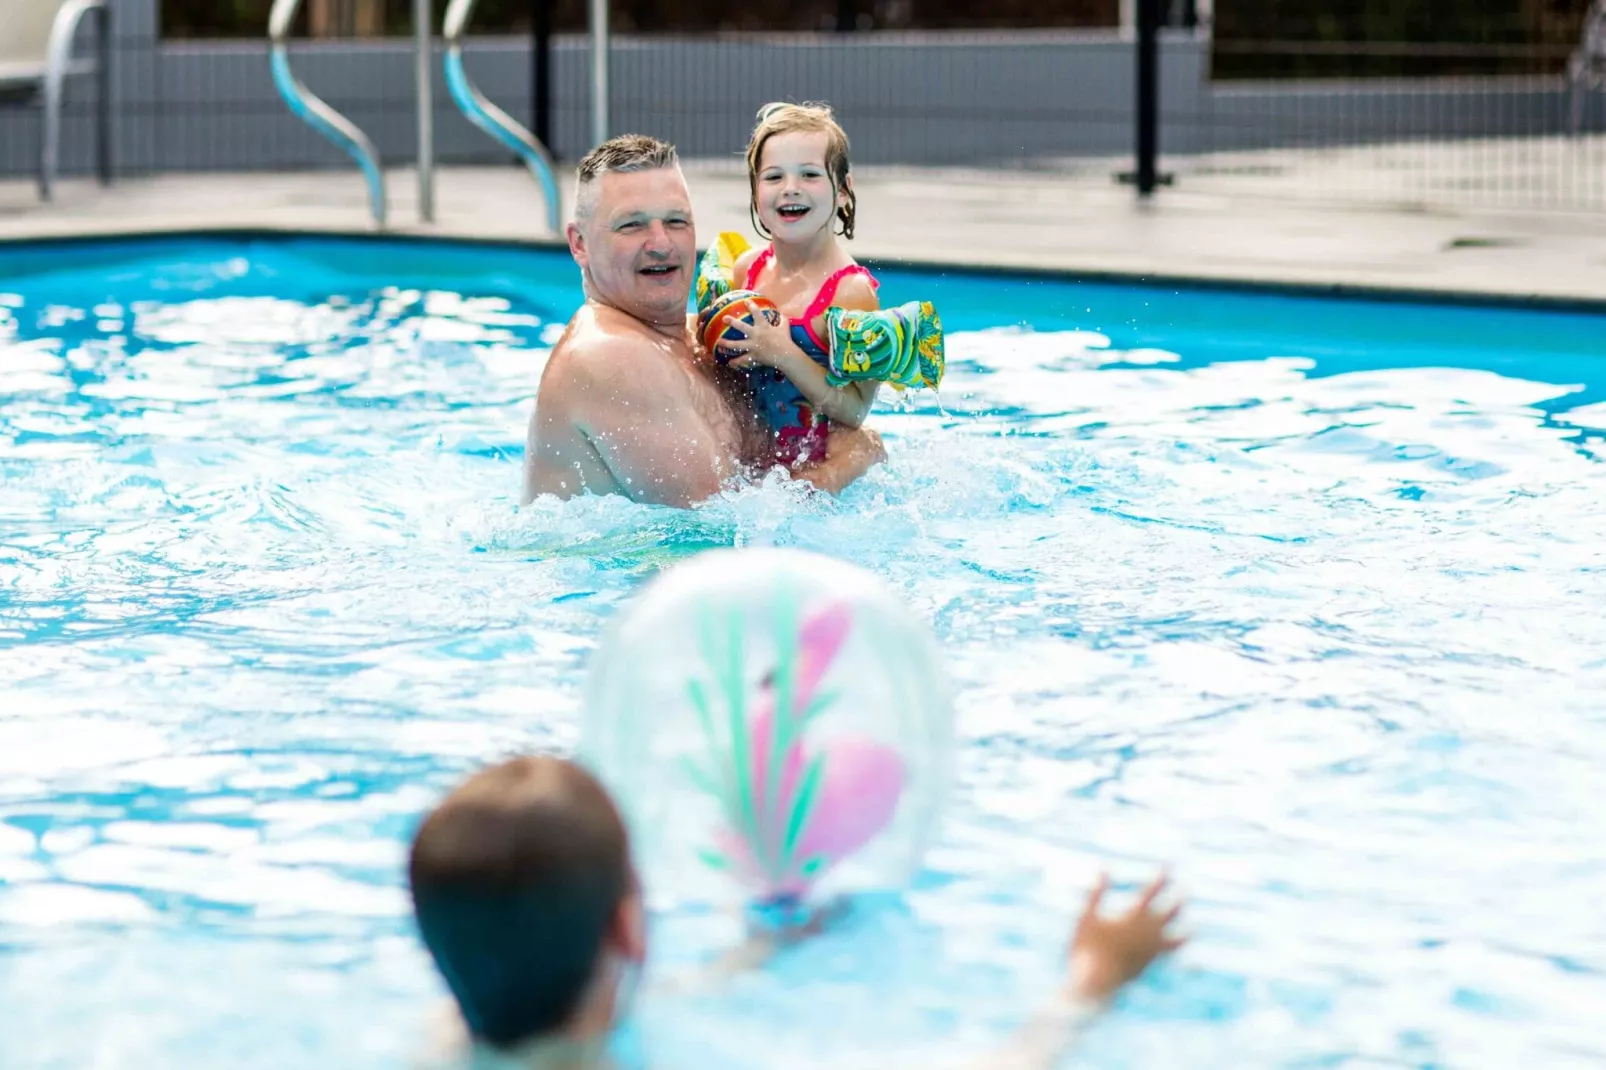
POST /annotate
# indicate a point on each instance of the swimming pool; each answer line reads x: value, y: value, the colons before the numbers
x: 1299, y: 596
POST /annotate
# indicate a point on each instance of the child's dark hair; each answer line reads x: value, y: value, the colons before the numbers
x: 802, y: 119
x: 517, y: 879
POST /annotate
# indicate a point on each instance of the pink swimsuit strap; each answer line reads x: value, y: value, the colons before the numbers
x: 822, y: 300
x: 758, y: 265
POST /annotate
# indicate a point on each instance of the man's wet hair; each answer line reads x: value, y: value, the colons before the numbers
x: 517, y: 878
x: 623, y: 154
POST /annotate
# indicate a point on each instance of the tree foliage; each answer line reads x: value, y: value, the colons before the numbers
x: 1394, y: 38
x: 1253, y: 38
x: 243, y: 18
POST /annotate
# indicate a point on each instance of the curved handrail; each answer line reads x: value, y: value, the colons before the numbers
x: 311, y: 109
x: 58, y: 63
x: 493, y: 120
x: 1586, y: 68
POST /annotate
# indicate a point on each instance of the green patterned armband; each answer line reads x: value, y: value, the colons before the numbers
x: 714, y: 269
x: 901, y: 346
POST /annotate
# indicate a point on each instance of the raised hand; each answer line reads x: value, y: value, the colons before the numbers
x: 1107, y: 953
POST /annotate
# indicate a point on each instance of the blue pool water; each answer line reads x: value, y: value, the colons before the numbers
x: 1301, y: 597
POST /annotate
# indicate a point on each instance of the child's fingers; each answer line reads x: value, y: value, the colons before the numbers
x: 1151, y: 893
x: 1096, y: 897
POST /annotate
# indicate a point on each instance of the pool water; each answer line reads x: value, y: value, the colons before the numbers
x: 1299, y: 597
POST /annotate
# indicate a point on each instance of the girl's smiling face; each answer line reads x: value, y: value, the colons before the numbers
x: 795, y: 197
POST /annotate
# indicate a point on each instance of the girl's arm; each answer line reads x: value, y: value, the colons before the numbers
x: 764, y: 343
x: 856, y: 295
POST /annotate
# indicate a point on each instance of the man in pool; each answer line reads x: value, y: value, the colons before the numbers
x: 629, y: 403
x: 528, y: 901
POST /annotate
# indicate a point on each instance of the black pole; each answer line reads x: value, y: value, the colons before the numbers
x: 847, y: 16
x: 541, y: 72
x: 103, y: 77
x: 1148, y: 94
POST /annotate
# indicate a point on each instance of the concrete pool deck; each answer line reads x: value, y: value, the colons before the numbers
x: 1075, y: 219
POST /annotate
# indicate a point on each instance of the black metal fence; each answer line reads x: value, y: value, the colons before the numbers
x: 1422, y: 102
x: 1479, y: 116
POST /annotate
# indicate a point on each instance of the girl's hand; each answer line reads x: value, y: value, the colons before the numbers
x: 761, y: 342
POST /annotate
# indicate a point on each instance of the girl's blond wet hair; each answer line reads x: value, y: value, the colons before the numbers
x: 808, y: 118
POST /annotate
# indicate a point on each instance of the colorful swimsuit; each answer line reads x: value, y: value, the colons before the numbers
x: 800, y: 433
x: 901, y: 346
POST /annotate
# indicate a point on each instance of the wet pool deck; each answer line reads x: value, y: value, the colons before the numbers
x: 1075, y: 219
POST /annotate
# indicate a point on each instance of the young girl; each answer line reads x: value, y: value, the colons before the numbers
x: 823, y: 363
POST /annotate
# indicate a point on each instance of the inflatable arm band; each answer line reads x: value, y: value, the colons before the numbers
x: 901, y: 345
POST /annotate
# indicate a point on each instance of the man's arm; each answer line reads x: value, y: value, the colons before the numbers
x: 635, y: 414
x: 643, y: 418
x: 558, y: 458
x: 849, y: 454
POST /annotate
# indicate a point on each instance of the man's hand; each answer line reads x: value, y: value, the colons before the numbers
x: 1107, y: 953
x: 849, y: 454
x: 862, y: 443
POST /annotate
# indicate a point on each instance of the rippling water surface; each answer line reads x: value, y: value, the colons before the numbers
x: 1302, y: 598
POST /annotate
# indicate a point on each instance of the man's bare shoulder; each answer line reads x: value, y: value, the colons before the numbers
x: 595, y: 338
x: 589, y: 365
x: 603, y: 345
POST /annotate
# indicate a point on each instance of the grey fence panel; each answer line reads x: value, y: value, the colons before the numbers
x: 915, y: 99
x: 977, y: 99
x: 1274, y: 115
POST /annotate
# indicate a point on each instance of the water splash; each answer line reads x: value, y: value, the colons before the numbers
x: 1299, y: 597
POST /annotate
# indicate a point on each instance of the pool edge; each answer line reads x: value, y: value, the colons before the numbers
x: 997, y: 268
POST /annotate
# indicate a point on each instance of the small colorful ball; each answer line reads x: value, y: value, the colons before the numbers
x: 715, y: 322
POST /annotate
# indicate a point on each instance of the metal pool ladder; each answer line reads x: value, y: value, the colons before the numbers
x: 493, y: 120
x: 1586, y: 69
x: 307, y: 106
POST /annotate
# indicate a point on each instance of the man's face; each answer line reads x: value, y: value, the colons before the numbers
x: 638, y: 248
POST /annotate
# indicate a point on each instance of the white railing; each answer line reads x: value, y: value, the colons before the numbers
x: 480, y: 111
x: 310, y: 108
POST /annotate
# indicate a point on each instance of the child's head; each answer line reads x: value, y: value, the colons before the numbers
x: 798, y: 155
x: 526, y: 898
